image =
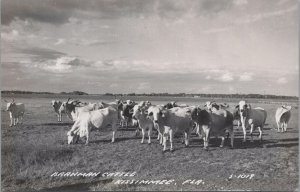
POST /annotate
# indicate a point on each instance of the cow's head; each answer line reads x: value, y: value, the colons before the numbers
x: 72, y: 138
x: 137, y: 111
x: 10, y: 105
x: 170, y: 105
x: 201, y: 116
x: 243, y: 108
x: 157, y: 114
x: 56, y: 104
x: 209, y: 105
x: 214, y: 106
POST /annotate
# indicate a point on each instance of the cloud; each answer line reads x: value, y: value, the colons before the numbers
x: 246, y: 76
x: 282, y: 80
x: 144, y: 86
x: 217, y: 30
x: 240, y: 2
x: 60, y: 42
x: 260, y: 16
x: 227, y: 77
x: 60, y: 12
x: 11, y: 36
x: 40, y: 54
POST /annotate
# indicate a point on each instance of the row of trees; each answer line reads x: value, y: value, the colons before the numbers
x: 32, y: 92
x: 258, y: 96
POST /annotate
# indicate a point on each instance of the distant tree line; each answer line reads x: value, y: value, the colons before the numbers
x: 32, y: 92
x: 258, y: 96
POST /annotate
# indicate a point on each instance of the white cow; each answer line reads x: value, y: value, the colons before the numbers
x: 282, y: 117
x: 253, y: 118
x: 144, y: 123
x: 99, y: 119
x: 56, y: 105
x: 16, y: 112
x: 174, y: 120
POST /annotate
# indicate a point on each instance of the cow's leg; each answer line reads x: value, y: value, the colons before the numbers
x: 231, y: 133
x: 244, y: 127
x: 15, y: 121
x: 171, y: 139
x: 164, y: 142
x: 251, y: 131
x: 165, y: 136
x: 260, y: 132
x: 244, y: 132
x: 198, y: 130
x: 21, y: 118
x: 186, y: 138
x: 285, y: 126
x: 114, y: 128
x: 222, y: 141
x: 161, y: 139
x: 11, y: 119
x: 143, y: 135
x: 137, y: 131
x: 87, y: 137
x: 278, y: 126
x: 149, y: 134
x: 206, y: 130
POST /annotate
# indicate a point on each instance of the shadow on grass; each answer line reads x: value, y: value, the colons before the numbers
x: 55, y: 124
x: 285, y: 145
x: 120, y: 139
x: 78, y: 186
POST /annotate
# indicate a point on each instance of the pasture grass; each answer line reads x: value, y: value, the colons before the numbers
x: 31, y: 152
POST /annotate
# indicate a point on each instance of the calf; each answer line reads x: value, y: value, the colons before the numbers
x: 56, y: 105
x: 94, y: 119
x: 139, y: 113
x: 175, y: 120
x: 253, y: 118
x: 16, y: 112
x: 282, y: 117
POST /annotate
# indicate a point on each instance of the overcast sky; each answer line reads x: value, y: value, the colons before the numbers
x: 123, y: 46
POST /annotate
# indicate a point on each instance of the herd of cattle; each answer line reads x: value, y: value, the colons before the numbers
x: 212, y: 120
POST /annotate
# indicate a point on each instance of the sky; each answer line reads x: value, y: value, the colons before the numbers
x: 134, y: 46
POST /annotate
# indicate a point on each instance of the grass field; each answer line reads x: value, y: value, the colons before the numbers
x: 31, y: 152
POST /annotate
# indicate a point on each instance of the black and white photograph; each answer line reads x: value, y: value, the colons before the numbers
x: 149, y: 95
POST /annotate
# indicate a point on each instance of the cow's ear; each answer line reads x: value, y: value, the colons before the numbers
x: 5, y: 101
x: 204, y: 105
x: 237, y: 106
